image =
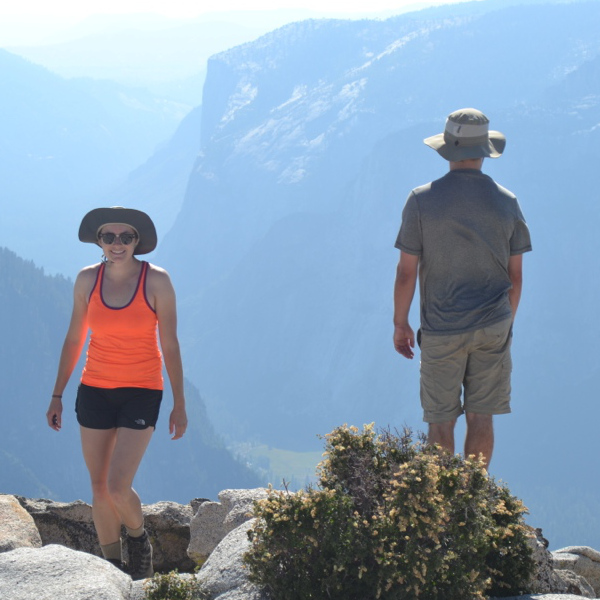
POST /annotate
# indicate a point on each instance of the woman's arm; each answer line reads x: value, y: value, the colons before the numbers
x: 161, y: 289
x: 72, y: 345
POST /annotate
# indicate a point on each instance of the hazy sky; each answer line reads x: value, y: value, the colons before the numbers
x: 190, y: 8
x: 38, y: 22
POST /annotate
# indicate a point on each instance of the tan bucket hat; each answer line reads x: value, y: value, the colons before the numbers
x: 138, y: 220
x: 466, y: 136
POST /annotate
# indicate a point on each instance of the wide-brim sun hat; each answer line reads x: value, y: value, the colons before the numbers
x: 138, y: 220
x: 467, y: 135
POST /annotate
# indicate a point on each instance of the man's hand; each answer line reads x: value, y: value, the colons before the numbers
x: 404, y: 289
x: 404, y: 340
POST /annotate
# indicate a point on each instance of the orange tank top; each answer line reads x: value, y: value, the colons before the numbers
x: 123, y: 349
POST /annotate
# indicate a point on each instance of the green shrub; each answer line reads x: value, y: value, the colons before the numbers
x: 392, y: 519
x: 173, y: 586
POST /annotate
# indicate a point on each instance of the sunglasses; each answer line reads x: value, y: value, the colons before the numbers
x: 124, y: 238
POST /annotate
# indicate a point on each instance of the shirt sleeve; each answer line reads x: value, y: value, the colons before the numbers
x: 410, y: 238
x: 520, y: 241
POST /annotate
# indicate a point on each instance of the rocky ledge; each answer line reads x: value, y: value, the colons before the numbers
x: 48, y: 550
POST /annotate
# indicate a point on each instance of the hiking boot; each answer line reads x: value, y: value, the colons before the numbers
x: 118, y: 563
x: 139, y: 551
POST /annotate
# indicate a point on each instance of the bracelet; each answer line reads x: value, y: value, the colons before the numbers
x: 59, y: 396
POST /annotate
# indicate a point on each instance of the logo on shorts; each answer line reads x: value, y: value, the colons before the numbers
x: 140, y: 422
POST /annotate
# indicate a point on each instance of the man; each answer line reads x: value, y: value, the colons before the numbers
x: 464, y: 236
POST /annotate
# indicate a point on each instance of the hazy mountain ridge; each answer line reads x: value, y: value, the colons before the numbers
x: 316, y: 61
x: 152, y: 50
x: 34, y: 317
x: 64, y: 145
x: 158, y: 186
x: 276, y: 110
x: 165, y: 55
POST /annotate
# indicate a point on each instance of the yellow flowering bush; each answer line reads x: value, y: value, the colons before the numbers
x: 391, y: 519
x: 173, y: 586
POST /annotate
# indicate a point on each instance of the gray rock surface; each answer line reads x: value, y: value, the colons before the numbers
x: 168, y: 525
x: 137, y: 591
x: 68, y: 524
x: 549, y: 578
x: 224, y: 575
x: 217, y: 533
x: 71, y: 525
x: 576, y: 584
x: 214, y: 520
x: 545, y: 579
x: 17, y: 528
x: 245, y: 592
x: 55, y: 572
x: 583, y: 561
x: 543, y: 597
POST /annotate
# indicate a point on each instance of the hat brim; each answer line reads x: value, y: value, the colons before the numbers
x: 493, y: 148
x: 140, y: 221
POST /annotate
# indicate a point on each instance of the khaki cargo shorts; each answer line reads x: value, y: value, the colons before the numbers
x: 477, y: 362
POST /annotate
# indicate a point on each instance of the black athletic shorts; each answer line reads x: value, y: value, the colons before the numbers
x: 102, y: 408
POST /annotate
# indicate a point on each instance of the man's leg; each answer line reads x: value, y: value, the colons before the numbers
x: 480, y: 436
x: 442, y: 434
x: 487, y: 386
x: 443, y: 364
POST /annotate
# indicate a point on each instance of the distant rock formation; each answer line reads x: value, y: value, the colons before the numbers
x: 45, y: 547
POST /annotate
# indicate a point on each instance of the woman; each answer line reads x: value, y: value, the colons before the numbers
x: 121, y: 300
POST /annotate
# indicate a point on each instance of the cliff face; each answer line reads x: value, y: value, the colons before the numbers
x: 283, y: 251
x: 311, y: 140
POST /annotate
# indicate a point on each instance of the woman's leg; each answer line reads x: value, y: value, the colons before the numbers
x: 127, y: 455
x: 98, y: 446
x: 112, y: 457
x: 128, y: 451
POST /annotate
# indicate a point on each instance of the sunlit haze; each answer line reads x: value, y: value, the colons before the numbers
x: 191, y: 8
x: 37, y: 21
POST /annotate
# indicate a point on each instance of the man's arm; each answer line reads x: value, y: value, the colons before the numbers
x: 515, y: 273
x: 404, y: 291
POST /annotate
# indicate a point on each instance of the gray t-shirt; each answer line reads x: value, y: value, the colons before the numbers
x: 464, y: 227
